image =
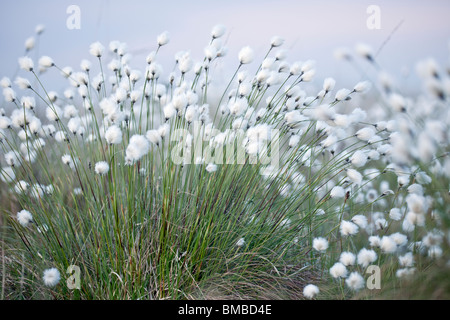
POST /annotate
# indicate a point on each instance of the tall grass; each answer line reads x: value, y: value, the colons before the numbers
x: 189, y: 205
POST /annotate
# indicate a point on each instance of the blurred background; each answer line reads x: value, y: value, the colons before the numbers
x: 409, y: 31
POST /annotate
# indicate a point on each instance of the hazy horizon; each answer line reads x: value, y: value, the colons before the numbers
x: 312, y: 30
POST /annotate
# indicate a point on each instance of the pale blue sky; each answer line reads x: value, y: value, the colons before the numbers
x: 312, y: 30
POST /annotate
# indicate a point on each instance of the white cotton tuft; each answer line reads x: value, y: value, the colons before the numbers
x: 246, y: 55
x: 211, y: 167
x: 399, y: 238
x: 320, y: 244
x: 238, y: 107
x: 276, y: 41
x: 407, y: 260
x: 387, y: 245
x: 169, y: 111
x: 348, y: 228
x: 364, y: 50
x: 395, y: 214
x: 338, y: 270
x: 154, y: 137
x: 355, y: 281
x: 163, y: 38
x: 397, y: 102
x: 5, y: 82
x: 366, y: 257
x: 310, y: 291
x: 190, y: 113
x: 26, y: 63
x: 337, y: 192
x: 293, y: 141
x: 29, y: 43
x: 347, y: 258
x: 362, y: 86
x: 374, y: 241
x: 51, y: 277
x: 240, y: 242
x: 360, y: 221
x: 24, y: 217
x: 22, y: 83
x: 96, y: 49
x: 101, y: 168
x: 28, y: 102
x: 354, y: 176
x: 342, y: 94
x: 359, y: 158
x: 137, y: 148
x: 365, y: 134
x: 46, y: 62
x: 328, y: 84
x: 218, y: 31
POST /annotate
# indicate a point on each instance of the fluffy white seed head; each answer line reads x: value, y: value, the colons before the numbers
x: 364, y: 50
x: 137, y: 148
x: 374, y: 241
x: 46, y: 62
x: 342, y: 94
x: 360, y: 220
x: 366, y: 257
x: 22, y: 83
x: 362, y: 86
x: 355, y: 281
x: 337, y: 192
x: 358, y: 159
x: 101, y: 168
x: 310, y: 291
x: 365, y: 134
x: 320, y: 244
x: 24, y: 217
x: 154, y: 137
x: 29, y: 43
x: 5, y: 82
x: 328, y: 84
x: 218, y: 31
x: 51, y: 277
x: 26, y: 63
x: 388, y: 245
x: 338, y: 270
x: 240, y: 242
x: 354, y: 176
x: 113, y: 135
x: 348, y: 228
x: 276, y: 41
x: 407, y: 260
x: 28, y: 102
x: 347, y: 258
x: 211, y: 167
x: 40, y: 28
x: 96, y: 49
x: 246, y: 55
x: 163, y: 38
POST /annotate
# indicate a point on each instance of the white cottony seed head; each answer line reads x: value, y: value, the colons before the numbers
x: 163, y: 38
x: 218, y: 31
x: 96, y: 49
x: 24, y: 217
x: 320, y: 244
x: 26, y: 63
x: 51, y: 277
x: 101, y: 167
x: 246, y: 55
x: 310, y: 291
